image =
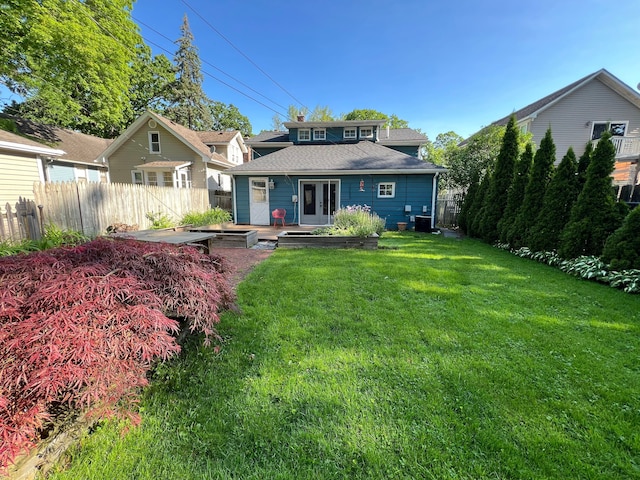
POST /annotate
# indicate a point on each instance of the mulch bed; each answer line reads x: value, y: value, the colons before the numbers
x: 241, y: 261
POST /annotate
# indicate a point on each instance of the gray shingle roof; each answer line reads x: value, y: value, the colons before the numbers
x: 77, y: 146
x: 361, y: 156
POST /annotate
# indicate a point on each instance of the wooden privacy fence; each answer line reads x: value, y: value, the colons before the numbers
x: 91, y: 207
x: 22, y: 222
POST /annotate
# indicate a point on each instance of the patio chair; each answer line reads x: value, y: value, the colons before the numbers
x: 278, y: 214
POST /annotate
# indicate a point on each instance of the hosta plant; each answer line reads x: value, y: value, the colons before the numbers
x: 81, y: 327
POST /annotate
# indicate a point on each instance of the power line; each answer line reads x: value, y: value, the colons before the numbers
x: 210, y: 64
x: 243, y: 54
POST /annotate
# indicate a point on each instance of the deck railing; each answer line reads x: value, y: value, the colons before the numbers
x: 625, y: 146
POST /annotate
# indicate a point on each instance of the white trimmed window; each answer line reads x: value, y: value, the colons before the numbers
x: 617, y: 129
x: 167, y: 179
x: 387, y: 190
x: 152, y: 178
x: 349, y: 133
x: 366, y: 132
x: 154, y: 142
x: 137, y: 177
x: 319, y: 134
x: 304, y: 135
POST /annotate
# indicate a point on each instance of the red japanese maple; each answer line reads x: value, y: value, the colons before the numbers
x: 82, y: 326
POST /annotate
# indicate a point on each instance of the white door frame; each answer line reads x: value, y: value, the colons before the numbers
x: 259, y: 213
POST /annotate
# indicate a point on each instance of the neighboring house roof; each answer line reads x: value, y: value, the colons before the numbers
x: 361, y: 157
x: 77, y: 147
x: 11, y: 141
x: 269, y: 137
x: 163, y: 164
x: 222, y: 138
x: 187, y: 136
x: 401, y: 136
x: 532, y: 110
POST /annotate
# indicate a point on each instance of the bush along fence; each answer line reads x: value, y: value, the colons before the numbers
x: 90, y: 208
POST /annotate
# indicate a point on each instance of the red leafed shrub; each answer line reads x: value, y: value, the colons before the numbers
x: 82, y: 326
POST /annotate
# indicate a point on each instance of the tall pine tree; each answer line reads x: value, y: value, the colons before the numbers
x: 559, y: 198
x: 534, y: 193
x: 595, y: 215
x: 496, y: 198
x: 516, y: 192
x: 189, y: 106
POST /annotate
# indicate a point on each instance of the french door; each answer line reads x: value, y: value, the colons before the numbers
x: 318, y: 202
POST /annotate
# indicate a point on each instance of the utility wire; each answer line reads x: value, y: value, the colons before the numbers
x: 243, y: 54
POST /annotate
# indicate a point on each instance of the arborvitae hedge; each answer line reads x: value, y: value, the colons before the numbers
x: 467, y: 203
x: 595, y: 215
x: 516, y: 192
x: 476, y: 210
x: 559, y: 198
x: 534, y: 193
x: 500, y: 181
x: 583, y: 164
x: 622, y: 248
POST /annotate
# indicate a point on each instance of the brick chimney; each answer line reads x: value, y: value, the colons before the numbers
x: 301, y: 118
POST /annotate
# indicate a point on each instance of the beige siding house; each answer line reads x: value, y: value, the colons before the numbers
x: 21, y: 164
x: 79, y: 160
x: 156, y: 151
x: 581, y: 112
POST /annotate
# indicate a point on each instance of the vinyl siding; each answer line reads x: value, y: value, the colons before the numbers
x: 17, y: 174
x: 136, y: 152
x: 414, y: 190
x: 569, y: 117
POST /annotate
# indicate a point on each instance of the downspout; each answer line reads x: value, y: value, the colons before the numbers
x: 233, y: 197
x: 434, y: 195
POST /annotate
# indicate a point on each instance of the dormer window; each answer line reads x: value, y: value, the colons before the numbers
x: 304, y: 135
x: 349, y: 134
x: 366, y: 132
x: 154, y: 142
x: 319, y: 134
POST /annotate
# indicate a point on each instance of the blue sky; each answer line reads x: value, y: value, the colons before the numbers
x: 441, y: 65
x: 446, y: 65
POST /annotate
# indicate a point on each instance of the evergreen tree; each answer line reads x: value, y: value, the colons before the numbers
x: 189, y: 106
x: 622, y: 248
x: 516, y: 192
x: 559, y: 198
x: 477, y: 207
x: 465, y: 208
x: 499, y: 183
x: 595, y: 214
x: 583, y: 164
x: 534, y: 193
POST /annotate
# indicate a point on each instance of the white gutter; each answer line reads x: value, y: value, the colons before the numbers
x: 31, y: 148
x: 233, y: 197
x: 434, y: 195
x: 415, y: 171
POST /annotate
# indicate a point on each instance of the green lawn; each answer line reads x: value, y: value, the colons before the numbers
x: 431, y: 358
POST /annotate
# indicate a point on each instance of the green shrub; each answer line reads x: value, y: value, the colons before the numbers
x: 160, y: 220
x: 53, y: 237
x: 212, y: 216
x: 622, y: 248
x: 353, y: 220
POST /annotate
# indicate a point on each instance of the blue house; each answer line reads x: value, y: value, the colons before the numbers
x: 318, y: 167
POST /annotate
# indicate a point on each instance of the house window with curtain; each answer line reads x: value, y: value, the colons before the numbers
x: 152, y: 178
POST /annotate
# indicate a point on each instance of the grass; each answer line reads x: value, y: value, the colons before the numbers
x: 431, y: 358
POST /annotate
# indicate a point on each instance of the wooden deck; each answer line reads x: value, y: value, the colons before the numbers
x: 269, y: 232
